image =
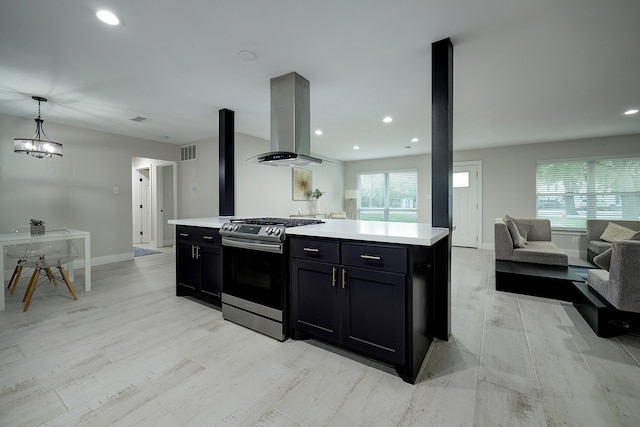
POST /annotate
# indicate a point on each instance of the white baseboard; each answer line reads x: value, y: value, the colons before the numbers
x: 110, y: 259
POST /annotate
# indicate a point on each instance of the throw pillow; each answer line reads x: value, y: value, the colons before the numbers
x: 604, y: 259
x: 518, y: 241
x: 523, y: 227
x: 615, y: 232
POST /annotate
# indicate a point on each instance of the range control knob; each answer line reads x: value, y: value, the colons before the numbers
x: 225, y: 226
x: 277, y: 232
x: 269, y: 229
x: 235, y: 227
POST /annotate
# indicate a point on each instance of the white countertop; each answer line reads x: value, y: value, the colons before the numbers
x: 373, y: 231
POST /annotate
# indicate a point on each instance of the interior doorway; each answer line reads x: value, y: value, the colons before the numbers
x: 467, y: 204
x: 142, y: 222
x: 154, y: 201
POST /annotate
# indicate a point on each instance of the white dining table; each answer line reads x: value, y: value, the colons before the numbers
x: 18, y: 238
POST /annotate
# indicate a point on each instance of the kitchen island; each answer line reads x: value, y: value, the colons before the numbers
x: 377, y: 288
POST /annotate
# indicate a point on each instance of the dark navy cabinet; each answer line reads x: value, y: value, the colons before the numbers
x: 199, y: 263
x: 350, y: 294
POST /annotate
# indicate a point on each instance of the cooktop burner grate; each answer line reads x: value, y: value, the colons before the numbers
x: 287, y: 222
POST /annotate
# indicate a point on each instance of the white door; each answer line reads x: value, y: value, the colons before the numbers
x: 466, y: 208
x: 145, y: 206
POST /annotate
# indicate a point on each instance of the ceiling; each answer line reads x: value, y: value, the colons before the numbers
x: 524, y: 71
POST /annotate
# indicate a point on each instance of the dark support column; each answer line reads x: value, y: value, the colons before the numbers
x: 442, y: 178
x: 226, y: 159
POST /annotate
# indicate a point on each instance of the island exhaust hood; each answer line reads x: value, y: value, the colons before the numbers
x: 290, y: 123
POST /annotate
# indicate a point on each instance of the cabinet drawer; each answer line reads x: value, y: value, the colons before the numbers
x: 378, y: 257
x: 317, y: 250
x: 201, y: 235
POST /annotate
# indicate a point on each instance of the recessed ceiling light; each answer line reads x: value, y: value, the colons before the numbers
x: 108, y: 17
x: 629, y: 112
x: 414, y: 140
x: 356, y: 147
x: 247, y: 55
x: 163, y: 137
x: 408, y: 147
x: 318, y: 132
x: 387, y: 119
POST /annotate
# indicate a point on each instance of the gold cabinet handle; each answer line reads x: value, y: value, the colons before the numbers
x: 193, y: 251
x: 197, y: 252
x: 373, y: 257
x: 333, y: 278
x: 314, y: 250
x: 344, y: 278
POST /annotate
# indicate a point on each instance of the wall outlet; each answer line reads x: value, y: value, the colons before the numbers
x: 192, y: 188
x: 116, y: 190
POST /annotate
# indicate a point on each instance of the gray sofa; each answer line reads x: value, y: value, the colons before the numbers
x: 620, y: 285
x: 595, y: 228
x: 538, y: 248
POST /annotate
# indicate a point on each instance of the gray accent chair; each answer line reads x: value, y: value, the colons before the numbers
x: 538, y: 250
x: 620, y: 286
x: 595, y: 228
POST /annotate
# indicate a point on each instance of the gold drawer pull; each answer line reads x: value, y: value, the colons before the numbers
x: 184, y: 234
x: 314, y: 250
x: 207, y: 237
x: 372, y: 257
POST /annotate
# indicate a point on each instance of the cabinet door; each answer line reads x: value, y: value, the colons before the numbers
x: 373, y: 312
x: 314, y: 307
x: 211, y: 262
x: 188, y: 267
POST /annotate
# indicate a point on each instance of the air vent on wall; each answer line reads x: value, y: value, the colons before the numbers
x: 139, y: 119
x: 187, y: 152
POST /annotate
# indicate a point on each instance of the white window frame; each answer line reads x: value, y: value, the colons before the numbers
x: 386, y: 209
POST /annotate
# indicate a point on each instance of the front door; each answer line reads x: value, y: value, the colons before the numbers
x: 465, y: 204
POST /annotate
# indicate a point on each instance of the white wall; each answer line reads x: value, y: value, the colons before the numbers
x: 509, y: 177
x: 260, y: 190
x: 75, y: 191
x: 421, y: 163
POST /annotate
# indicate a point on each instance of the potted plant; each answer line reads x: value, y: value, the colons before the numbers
x: 316, y: 204
x: 37, y: 227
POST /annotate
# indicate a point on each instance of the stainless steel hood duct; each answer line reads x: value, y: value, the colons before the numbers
x: 290, y: 123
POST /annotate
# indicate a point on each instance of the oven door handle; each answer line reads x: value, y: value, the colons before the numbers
x: 274, y: 248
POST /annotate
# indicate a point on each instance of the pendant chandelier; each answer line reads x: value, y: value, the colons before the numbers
x: 39, y: 145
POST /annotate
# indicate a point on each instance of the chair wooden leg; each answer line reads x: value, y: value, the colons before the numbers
x: 31, y: 281
x: 66, y: 280
x: 51, y: 276
x: 15, y: 278
x: 31, y: 289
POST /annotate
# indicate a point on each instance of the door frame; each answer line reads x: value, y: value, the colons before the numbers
x: 155, y: 167
x: 478, y: 165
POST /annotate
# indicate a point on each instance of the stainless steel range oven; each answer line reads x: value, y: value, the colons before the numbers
x: 256, y: 273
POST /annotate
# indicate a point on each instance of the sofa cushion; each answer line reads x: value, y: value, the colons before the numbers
x: 523, y: 227
x: 604, y: 259
x: 598, y: 246
x: 615, y: 232
x: 598, y: 280
x: 516, y: 237
x: 540, y: 253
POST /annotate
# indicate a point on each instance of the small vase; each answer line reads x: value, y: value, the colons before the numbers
x: 315, y: 207
x: 37, y: 230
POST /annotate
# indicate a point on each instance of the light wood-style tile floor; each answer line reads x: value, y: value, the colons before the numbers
x: 131, y: 353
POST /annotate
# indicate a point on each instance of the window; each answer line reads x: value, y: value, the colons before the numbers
x: 570, y: 192
x: 388, y: 196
